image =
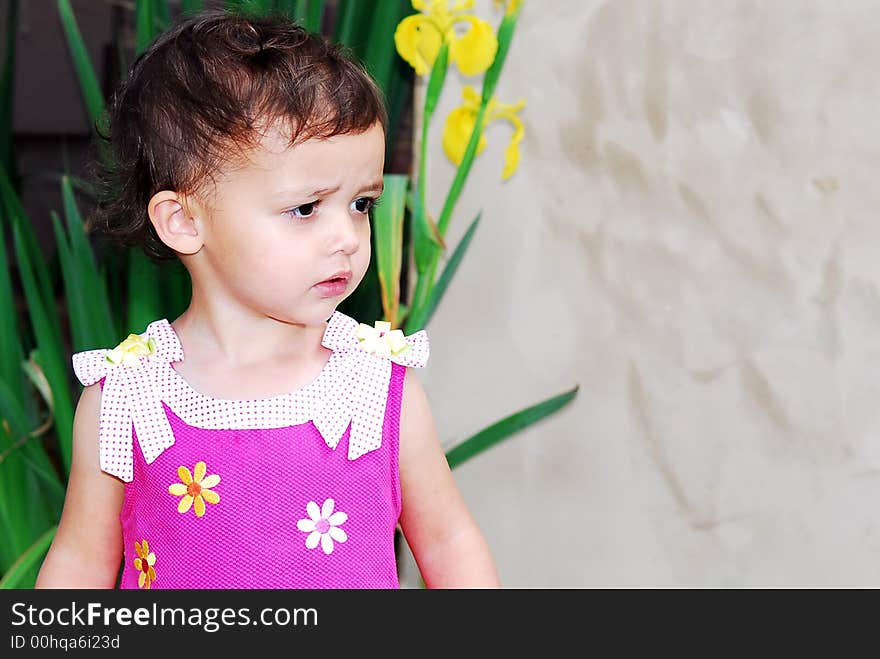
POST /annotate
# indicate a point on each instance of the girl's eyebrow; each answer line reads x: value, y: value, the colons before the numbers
x: 375, y: 186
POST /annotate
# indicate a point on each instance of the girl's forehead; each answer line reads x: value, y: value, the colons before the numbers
x: 272, y: 156
x: 277, y: 141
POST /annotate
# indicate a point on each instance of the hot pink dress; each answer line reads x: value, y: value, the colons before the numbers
x: 299, y: 490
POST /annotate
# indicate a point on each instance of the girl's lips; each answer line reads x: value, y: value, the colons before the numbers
x: 334, y: 286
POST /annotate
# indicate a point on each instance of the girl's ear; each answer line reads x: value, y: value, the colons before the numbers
x: 173, y: 222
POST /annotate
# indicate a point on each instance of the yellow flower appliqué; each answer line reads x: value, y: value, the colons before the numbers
x: 144, y: 564
x: 418, y: 38
x: 194, y: 489
x: 382, y: 340
x: 460, y: 124
x: 129, y: 352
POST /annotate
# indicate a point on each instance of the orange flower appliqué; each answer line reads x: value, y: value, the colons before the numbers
x: 194, y: 489
x: 144, y: 564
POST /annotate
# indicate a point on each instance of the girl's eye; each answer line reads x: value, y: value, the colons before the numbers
x: 364, y: 204
x: 306, y: 210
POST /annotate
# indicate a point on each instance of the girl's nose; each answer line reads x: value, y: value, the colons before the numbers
x: 345, y: 236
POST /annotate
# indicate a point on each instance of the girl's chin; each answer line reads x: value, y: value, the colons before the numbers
x: 317, y: 315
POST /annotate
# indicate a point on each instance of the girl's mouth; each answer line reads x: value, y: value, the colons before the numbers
x: 334, y: 286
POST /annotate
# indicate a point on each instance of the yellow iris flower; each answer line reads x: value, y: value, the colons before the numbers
x: 460, y: 125
x: 418, y: 38
x: 194, y: 489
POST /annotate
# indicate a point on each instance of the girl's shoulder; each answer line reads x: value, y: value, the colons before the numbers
x: 346, y: 335
x: 159, y: 344
x: 133, y: 356
x: 137, y: 377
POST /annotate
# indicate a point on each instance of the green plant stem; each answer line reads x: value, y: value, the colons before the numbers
x: 428, y: 273
x: 425, y: 235
x: 425, y: 284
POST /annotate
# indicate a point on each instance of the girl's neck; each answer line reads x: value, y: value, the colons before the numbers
x: 242, y: 339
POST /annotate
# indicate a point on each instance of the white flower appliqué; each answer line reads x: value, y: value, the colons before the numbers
x: 323, y: 526
x: 382, y: 340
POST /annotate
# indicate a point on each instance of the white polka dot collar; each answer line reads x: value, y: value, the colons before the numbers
x: 138, y: 377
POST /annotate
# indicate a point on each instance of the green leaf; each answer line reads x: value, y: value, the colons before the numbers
x: 345, y: 16
x: 427, y: 236
x: 253, y: 7
x: 352, y: 24
x: 175, y: 288
x: 388, y: 224
x: 78, y: 183
x: 88, y: 80
x: 80, y: 327
x: 11, y: 352
x: 32, y: 451
x: 461, y: 174
x: 38, y: 378
x: 50, y: 347
x: 192, y: 6
x: 14, y: 524
x: 15, y: 213
x: 144, y: 24
x: 505, y: 37
x: 490, y: 81
x: 287, y: 7
x: 161, y: 16
x: 314, y: 15
x: 144, y: 292
x: 101, y: 328
x: 11, y: 411
x: 299, y: 12
x: 15, y: 575
x: 24, y: 505
x: 422, y: 316
x: 380, y: 52
x: 436, y: 81
x: 508, y: 426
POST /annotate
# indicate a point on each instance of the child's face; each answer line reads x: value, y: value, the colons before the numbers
x: 289, y: 219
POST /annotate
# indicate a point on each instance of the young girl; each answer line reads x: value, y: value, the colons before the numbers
x: 262, y: 439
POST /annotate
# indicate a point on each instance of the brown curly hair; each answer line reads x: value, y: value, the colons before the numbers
x: 194, y: 101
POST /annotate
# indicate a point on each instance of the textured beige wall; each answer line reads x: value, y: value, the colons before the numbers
x: 692, y: 238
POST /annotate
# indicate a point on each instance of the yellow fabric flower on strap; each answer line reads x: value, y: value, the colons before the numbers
x: 460, y: 124
x: 382, y: 340
x: 418, y: 38
x: 194, y: 489
x: 129, y: 352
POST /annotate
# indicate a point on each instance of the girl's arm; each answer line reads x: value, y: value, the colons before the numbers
x: 447, y: 544
x: 87, y: 548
